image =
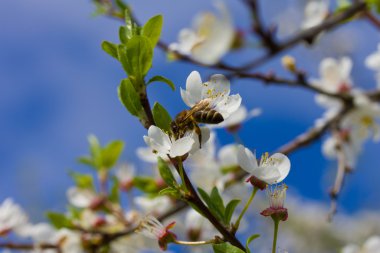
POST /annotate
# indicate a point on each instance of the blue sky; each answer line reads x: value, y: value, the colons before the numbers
x: 57, y: 86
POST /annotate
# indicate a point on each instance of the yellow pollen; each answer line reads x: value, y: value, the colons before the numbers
x: 367, y: 121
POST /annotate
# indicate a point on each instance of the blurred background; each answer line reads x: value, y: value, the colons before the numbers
x: 57, y: 86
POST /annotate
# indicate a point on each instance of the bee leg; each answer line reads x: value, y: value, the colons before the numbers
x: 199, y: 133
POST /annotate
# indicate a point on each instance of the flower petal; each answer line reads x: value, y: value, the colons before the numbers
x: 158, y: 136
x: 270, y: 175
x: 282, y: 163
x: 181, y: 146
x: 246, y: 159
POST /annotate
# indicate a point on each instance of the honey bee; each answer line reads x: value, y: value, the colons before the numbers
x: 188, y: 120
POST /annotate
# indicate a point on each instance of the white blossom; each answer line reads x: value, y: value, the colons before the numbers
x: 12, y: 217
x: 240, y: 116
x: 125, y: 173
x: 156, y: 206
x: 273, y: 169
x: 335, y: 77
x: 371, y: 245
x: 164, y: 145
x: 210, y: 38
x: 70, y: 242
x: 373, y: 62
x: 215, y: 94
x: 81, y: 198
x: 315, y: 13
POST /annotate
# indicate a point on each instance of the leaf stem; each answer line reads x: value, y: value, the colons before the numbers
x: 237, y: 223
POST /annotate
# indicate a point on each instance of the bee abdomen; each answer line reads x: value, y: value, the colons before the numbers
x: 208, y: 117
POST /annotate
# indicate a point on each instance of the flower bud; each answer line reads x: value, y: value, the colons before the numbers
x: 289, y: 63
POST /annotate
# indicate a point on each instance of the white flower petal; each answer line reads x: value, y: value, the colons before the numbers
x: 246, y: 159
x: 80, y: 198
x: 159, y: 137
x: 229, y: 105
x: 181, y: 146
x: 270, y: 175
x: 282, y: 163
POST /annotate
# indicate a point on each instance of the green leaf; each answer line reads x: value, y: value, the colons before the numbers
x: 95, y: 147
x: 152, y: 29
x: 129, y: 97
x: 161, y: 117
x: 163, y: 80
x: 211, y: 205
x: 114, y: 195
x: 146, y: 184
x: 110, y: 49
x: 84, y: 181
x: 139, y: 54
x: 226, y: 248
x: 217, y: 200
x: 86, y: 161
x: 129, y: 23
x: 249, y: 240
x: 111, y: 153
x: 59, y: 220
x: 170, y: 192
x: 230, y: 208
x: 123, y: 34
x: 166, y: 173
x: 121, y: 4
x: 375, y: 4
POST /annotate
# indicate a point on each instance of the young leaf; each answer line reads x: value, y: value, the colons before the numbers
x: 114, y: 195
x: 211, y: 205
x: 152, y: 29
x: 145, y: 184
x: 230, y: 208
x: 59, y: 220
x: 161, y: 117
x: 129, y: 23
x: 129, y: 97
x: 226, y: 248
x: 163, y: 80
x: 123, y: 34
x: 111, y: 153
x: 249, y: 240
x: 170, y: 192
x: 165, y: 172
x: 110, y: 49
x: 217, y: 200
x: 139, y: 53
x: 121, y: 4
x: 84, y: 181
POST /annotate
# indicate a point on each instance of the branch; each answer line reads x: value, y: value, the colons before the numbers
x: 339, y: 178
x: 309, y: 34
x: 26, y: 246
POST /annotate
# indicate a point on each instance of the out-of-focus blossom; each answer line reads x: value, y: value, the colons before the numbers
x: 315, y: 13
x: 40, y: 232
x: 372, y: 245
x: 240, y: 116
x: 164, y: 145
x: 69, y: 241
x: 214, y: 94
x: 373, y: 62
x: 272, y: 169
x: 125, y: 175
x: 12, y: 217
x: 82, y: 198
x: 155, y: 206
x: 210, y: 39
x: 197, y: 226
x: 335, y: 77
